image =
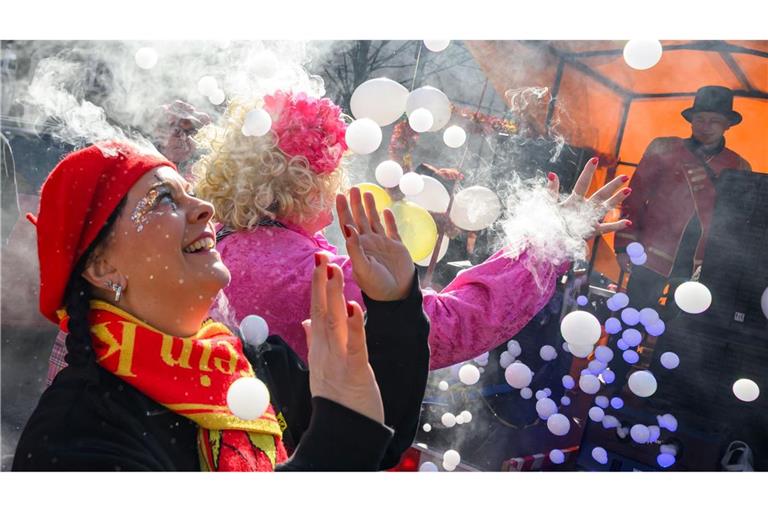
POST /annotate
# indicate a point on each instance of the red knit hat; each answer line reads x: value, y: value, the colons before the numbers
x: 76, y: 200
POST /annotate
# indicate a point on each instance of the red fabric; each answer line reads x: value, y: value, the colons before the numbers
x: 76, y: 200
x: 668, y: 187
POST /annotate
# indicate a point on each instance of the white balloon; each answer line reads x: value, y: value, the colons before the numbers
x: 545, y: 408
x: 568, y: 382
x: 469, y: 374
x: 764, y: 302
x: 657, y: 328
x: 514, y: 348
x: 146, y: 57
x: 630, y: 316
x: 420, y: 120
x: 635, y: 249
x: 506, y: 359
x: 452, y: 457
x: 475, y: 208
x: 621, y: 300
x: 380, y: 99
x: 217, y: 97
x: 254, y: 329
x: 589, y: 384
x: 580, y: 351
x: 442, y: 385
x: 548, y: 353
x: 433, y: 100
x: 642, y: 383
x: 428, y: 466
x: 443, y: 249
x: 595, y: 367
x: 459, y: 419
x: 630, y: 356
x: 257, y: 123
x: 612, y: 326
x: 632, y: 337
x: 746, y: 390
x: 207, y: 85
x: 427, y: 427
x: 565, y: 347
x: 558, y: 424
x: 670, y: 360
x: 640, y: 433
x: 518, y: 375
x: 363, y: 136
x: 454, y: 136
x: 526, y: 393
x: 448, y: 419
x: 248, y: 398
x: 411, y: 184
x: 437, y: 45
x: 693, y: 297
x: 556, y: 456
x: 603, y: 354
x: 596, y: 413
x: 541, y: 394
x: 602, y: 401
x: 466, y: 415
x: 482, y: 359
x: 642, y: 54
x: 600, y: 455
x: 610, y: 421
x: 434, y: 197
x: 564, y: 400
x: 580, y: 328
x: 668, y: 421
x: 639, y: 260
x: 648, y: 316
x: 654, y: 433
x: 389, y: 173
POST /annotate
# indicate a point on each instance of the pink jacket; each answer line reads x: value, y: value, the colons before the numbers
x: 481, y: 308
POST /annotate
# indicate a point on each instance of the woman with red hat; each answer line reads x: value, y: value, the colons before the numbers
x: 128, y: 267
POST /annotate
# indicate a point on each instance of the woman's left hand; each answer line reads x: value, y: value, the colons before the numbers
x: 605, y: 199
x: 381, y: 264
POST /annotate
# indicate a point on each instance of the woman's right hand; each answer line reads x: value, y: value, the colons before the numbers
x: 338, y: 356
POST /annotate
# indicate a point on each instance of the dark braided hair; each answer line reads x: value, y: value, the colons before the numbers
x: 77, y: 298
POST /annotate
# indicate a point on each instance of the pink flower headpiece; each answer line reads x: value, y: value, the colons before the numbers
x: 308, y: 127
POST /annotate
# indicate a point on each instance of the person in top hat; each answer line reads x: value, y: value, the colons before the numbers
x: 673, y: 197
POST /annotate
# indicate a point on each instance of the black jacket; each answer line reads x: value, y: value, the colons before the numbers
x: 89, y: 419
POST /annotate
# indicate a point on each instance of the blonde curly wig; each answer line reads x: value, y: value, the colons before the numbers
x: 248, y: 179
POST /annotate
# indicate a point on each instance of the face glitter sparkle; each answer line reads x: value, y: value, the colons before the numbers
x: 145, y: 208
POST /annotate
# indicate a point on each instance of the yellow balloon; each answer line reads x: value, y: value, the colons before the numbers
x: 417, y: 228
x: 379, y: 194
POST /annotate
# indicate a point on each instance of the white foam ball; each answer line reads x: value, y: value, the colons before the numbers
x: 630, y: 356
x: 746, y: 390
x: 603, y: 354
x: 565, y: 348
x: 568, y: 382
x: 665, y: 460
x: 217, y: 97
x: 564, y: 400
x: 669, y: 449
x: 541, y: 394
x: 257, y: 123
x: 600, y: 455
x: 648, y: 316
x: 622, y: 432
x: 454, y: 136
x: 610, y: 421
x: 466, y: 416
x: 630, y: 316
x: 640, y: 433
x: 654, y: 432
x: 612, y: 326
x: 518, y: 375
x: 411, y: 184
x: 428, y: 466
x: 469, y: 374
x: 580, y: 328
x: 207, y: 85
x: 656, y: 329
x: 459, y: 419
x: 146, y: 57
x: 635, y: 249
x: 548, y: 353
x: 764, y: 302
x: 608, y: 376
x: 639, y: 260
x: 448, y: 419
x: 427, y: 427
x: 452, y: 457
x: 621, y: 300
x: 435, y: 45
x: 442, y: 385
x: 513, y: 347
x: 668, y: 422
x: 363, y: 136
x: 558, y: 424
x: 526, y: 393
x: 642, y: 54
x: 595, y: 367
x: 670, y: 360
x: 482, y: 359
x: 545, y: 408
x: 506, y: 359
x: 602, y: 401
x: 248, y: 398
x: 254, y: 329
x: 622, y: 345
x: 389, y: 173
x: 582, y: 300
x: 420, y: 120
x: 580, y: 351
x: 448, y: 467
x: 596, y: 413
x: 693, y: 297
x: 589, y: 384
x: 642, y: 383
x: 632, y: 337
x: 556, y: 457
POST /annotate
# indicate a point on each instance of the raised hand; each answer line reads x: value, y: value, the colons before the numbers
x: 381, y: 264
x: 338, y: 356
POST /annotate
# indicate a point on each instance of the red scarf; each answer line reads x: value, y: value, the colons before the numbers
x: 189, y: 376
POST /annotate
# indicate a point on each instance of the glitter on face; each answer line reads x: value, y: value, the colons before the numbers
x: 146, y: 207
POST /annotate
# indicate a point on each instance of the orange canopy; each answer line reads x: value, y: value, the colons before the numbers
x: 598, y: 101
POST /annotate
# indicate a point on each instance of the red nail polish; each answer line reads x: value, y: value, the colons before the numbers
x: 629, y: 223
x: 317, y: 260
x: 624, y: 179
x: 594, y: 160
x: 627, y: 191
x: 347, y: 231
x: 350, y: 310
x: 330, y: 272
x: 551, y: 176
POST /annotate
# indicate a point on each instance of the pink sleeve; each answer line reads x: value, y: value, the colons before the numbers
x: 486, y: 305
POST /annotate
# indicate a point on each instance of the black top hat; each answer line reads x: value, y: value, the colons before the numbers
x: 713, y: 98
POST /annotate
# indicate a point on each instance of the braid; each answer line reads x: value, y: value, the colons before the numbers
x: 77, y: 298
